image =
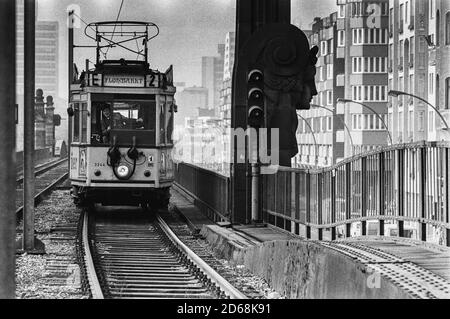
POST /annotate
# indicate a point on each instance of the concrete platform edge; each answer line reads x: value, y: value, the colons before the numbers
x: 301, y: 269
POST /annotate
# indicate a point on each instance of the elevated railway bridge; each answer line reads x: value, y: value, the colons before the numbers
x: 388, y: 208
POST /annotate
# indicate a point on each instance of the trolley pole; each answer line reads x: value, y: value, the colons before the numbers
x: 29, y: 243
x: 7, y: 151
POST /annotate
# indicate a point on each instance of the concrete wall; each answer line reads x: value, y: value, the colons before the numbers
x: 304, y: 270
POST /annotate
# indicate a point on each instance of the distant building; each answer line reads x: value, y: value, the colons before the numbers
x: 46, y: 63
x: 189, y: 101
x: 418, y: 64
x: 228, y: 64
x: 212, y: 74
x: 200, y: 143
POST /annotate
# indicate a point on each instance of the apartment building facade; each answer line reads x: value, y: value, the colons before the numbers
x: 419, y: 53
x: 363, y: 39
x: 321, y: 131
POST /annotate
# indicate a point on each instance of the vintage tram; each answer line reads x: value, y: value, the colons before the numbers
x: 121, y: 117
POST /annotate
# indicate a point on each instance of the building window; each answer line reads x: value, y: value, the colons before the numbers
x: 370, y: 36
x: 431, y: 9
x: 329, y: 97
x: 341, y: 38
x: 369, y: 93
x: 447, y: 93
x: 438, y: 28
x: 323, y: 48
x: 371, y: 64
x: 447, y: 28
x: 329, y: 71
x: 431, y: 83
x: 421, y: 121
x: 342, y: 11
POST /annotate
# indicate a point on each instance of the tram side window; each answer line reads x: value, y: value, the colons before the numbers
x: 84, y: 125
x: 76, y: 123
x: 169, y: 121
x: 162, y: 120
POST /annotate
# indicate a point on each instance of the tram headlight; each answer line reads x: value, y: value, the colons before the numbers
x: 123, y: 171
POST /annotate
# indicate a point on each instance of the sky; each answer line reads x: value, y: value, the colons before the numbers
x: 189, y: 29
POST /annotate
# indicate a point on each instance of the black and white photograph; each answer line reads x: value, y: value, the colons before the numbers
x: 229, y: 158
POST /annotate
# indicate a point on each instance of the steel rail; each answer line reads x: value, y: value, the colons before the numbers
x: 39, y: 196
x: 212, y: 275
x: 93, y: 281
x: 43, y: 168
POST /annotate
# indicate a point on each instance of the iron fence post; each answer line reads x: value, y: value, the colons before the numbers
x: 401, y: 189
x: 308, y: 204
x: 363, y: 195
x: 348, y: 198
x: 447, y: 193
x: 319, y: 204
x: 423, y: 198
x: 381, y: 197
x: 296, y: 183
x: 333, y: 205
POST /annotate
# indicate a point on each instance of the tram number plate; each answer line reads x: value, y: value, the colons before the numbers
x: 99, y: 165
x: 154, y: 80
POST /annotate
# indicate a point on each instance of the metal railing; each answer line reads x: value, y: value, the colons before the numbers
x: 209, y: 190
x: 400, y: 190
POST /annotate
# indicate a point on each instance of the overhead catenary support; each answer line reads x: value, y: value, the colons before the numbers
x: 70, y: 72
x: 29, y: 243
x: 7, y: 151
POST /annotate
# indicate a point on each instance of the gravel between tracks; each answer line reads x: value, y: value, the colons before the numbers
x: 252, y: 286
x: 56, y: 274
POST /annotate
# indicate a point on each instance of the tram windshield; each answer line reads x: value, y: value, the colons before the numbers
x: 138, y: 116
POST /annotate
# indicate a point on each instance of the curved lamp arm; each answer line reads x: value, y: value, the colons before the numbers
x: 373, y: 111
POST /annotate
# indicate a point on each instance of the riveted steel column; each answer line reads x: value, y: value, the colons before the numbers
x: 348, y: 198
x: 401, y: 189
x: 7, y: 151
x: 423, y: 193
x: 381, y: 182
x: 363, y: 195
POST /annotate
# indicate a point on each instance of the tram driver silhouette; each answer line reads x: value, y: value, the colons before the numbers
x: 117, y: 121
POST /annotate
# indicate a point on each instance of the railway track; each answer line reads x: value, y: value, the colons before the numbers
x: 48, y: 176
x: 140, y: 257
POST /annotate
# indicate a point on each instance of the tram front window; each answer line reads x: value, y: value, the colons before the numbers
x: 119, y: 116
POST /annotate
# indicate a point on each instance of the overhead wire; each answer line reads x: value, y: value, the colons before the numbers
x: 117, y: 19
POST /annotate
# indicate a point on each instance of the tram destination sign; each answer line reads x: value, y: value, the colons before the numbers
x: 123, y: 81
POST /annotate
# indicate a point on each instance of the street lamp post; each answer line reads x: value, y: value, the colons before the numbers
x: 314, y: 138
x: 373, y: 111
x: 343, y: 122
x: 395, y: 93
